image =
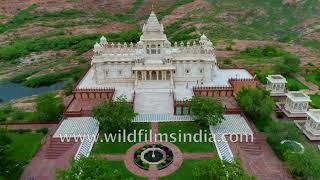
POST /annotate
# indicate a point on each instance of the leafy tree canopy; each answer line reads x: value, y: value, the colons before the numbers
x: 217, y: 169
x: 49, y: 107
x: 291, y: 64
x: 115, y: 115
x: 206, y: 110
x: 256, y: 103
x: 89, y: 168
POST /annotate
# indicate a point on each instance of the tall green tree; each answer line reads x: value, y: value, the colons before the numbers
x: 49, y: 107
x: 206, y: 110
x: 222, y: 170
x: 290, y: 65
x: 115, y: 115
x: 89, y: 168
x: 256, y: 103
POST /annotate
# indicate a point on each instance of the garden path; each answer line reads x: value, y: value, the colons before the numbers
x: 310, y: 85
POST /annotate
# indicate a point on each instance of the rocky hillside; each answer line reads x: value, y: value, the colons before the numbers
x: 39, y: 37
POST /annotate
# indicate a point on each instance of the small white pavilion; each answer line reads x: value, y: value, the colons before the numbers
x: 313, y: 122
x: 311, y: 127
x: 296, y: 105
x: 276, y: 84
x: 297, y: 102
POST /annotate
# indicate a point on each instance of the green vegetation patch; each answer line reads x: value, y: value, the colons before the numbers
x: 79, y: 43
x: 189, y: 129
x: 313, y: 76
x: 315, y: 101
x: 294, y: 84
x: 9, y: 114
x: 185, y: 171
x: 52, y: 78
x: 23, y: 147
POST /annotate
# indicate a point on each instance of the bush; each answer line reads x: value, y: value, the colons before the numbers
x: 22, y: 77
x: 42, y: 130
x: 20, y: 131
x: 206, y: 110
x: 49, y: 107
x: 68, y: 87
x: 49, y: 79
x: 266, y: 51
x: 115, y: 115
x: 256, y: 103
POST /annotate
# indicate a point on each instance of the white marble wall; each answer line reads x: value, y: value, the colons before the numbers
x: 113, y: 72
x: 312, y: 126
x: 276, y: 87
x: 296, y: 107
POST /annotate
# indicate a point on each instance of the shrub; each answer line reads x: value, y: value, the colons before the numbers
x: 266, y: 51
x: 206, y: 110
x: 20, y: 131
x: 49, y: 107
x: 115, y: 115
x: 256, y: 103
x: 49, y: 79
x: 42, y: 130
x: 22, y: 77
x: 68, y: 87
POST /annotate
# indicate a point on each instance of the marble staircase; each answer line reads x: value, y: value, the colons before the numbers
x: 153, y: 102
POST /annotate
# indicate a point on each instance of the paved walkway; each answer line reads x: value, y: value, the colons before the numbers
x: 40, y: 167
x: 313, y: 87
x: 113, y: 157
x: 258, y: 158
x: 197, y: 155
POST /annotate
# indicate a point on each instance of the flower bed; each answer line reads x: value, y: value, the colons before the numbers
x: 142, y: 157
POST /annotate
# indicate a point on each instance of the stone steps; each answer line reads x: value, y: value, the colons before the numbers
x: 57, y: 148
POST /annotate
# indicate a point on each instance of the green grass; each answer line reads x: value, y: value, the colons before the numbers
x: 294, y: 84
x: 184, y: 172
x: 24, y: 146
x: 315, y: 101
x: 116, y: 147
x: 313, y: 76
x: 183, y: 128
x: 119, y: 165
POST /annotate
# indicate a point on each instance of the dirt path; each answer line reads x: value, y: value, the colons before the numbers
x: 314, y: 88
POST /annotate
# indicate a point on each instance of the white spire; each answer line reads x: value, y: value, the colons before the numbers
x: 152, y: 29
x: 103, y: 40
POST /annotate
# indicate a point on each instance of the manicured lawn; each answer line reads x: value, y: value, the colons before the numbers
x: 185, y: 171
x: 119, y: 165
x: 315, y: 101
x: 116, y: 147
x: 23, y: 148
x: 295, y: 85
x: 182, y: 128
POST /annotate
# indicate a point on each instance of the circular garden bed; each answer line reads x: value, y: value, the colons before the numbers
x: 153, y: 154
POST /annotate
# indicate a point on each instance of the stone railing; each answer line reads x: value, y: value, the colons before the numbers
x: 102, y: 89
